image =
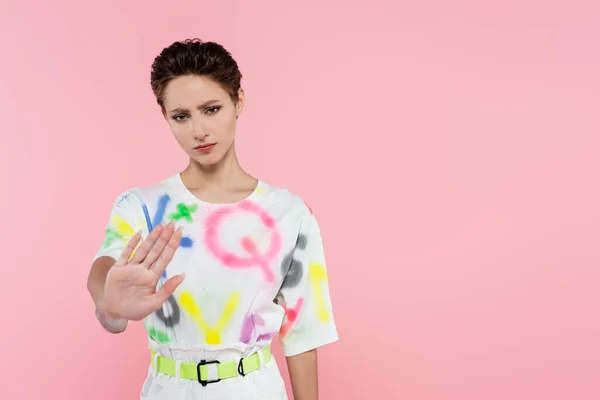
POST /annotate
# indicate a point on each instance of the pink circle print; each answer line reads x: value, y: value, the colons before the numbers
x: 254, y: 258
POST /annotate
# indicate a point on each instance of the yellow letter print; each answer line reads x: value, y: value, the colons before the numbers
x: 122, y: 227
x: 213, y: 334
x: 317, y: 274
x: 125, y: 231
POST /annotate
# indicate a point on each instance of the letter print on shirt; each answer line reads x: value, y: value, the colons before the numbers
x: 255, y: 257
x: 254, y: 327
x: 156, y: 334
x: 290, y: 313
x: 251, y: 321
x: 183, y: 211
x: 172, y: 315
x: 292, y: 268
x: 317, y: 276
x: 212, y: 332
x: 121, y: 230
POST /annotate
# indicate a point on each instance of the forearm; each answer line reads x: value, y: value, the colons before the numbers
x: 95, y: 285
x: 304, y: 375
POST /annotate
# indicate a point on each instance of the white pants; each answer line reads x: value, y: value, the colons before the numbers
x: 262, y: 384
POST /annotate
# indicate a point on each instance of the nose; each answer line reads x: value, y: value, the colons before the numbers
x: 199, y: 131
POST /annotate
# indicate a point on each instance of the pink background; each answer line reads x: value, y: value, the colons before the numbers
x: 451, y: 154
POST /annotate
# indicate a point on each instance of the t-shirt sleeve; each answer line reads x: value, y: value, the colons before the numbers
x: 125, y: 220
x: 308, y: 322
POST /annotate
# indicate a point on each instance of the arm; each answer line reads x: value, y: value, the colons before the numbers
x: 303, y: 375
x: 120, y: 229
x: 95, y: 286
x: 308, y: 317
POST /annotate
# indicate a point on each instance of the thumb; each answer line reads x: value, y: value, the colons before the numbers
x: 167, y: 289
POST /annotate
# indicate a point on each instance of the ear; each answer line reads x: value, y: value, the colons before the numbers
x: 240, y: 103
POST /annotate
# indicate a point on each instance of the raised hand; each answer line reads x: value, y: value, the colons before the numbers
x: 130, y: 289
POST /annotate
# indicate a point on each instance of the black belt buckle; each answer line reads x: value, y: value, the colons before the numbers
x: 241, y: 368
x: 204, y: 362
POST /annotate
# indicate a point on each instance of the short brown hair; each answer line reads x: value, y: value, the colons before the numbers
x: 195, y: 57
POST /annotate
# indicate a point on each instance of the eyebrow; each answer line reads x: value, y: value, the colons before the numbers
x: 203, y: 105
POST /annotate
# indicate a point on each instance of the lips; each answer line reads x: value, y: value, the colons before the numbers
x: 204, y: 148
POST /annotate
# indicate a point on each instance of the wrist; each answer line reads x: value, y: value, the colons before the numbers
x: 111, y: 324
x: 103, y: 309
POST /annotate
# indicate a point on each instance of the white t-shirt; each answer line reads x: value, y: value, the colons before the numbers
x: 253, y: 269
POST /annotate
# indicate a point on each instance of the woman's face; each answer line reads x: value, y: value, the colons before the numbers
x: 202, y: 117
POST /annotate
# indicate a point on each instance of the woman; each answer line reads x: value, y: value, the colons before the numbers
x: 216, y: 262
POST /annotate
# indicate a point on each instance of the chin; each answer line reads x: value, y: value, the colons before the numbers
x: 207, y: 160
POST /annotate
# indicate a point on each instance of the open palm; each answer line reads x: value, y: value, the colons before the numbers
x: 130, y: 291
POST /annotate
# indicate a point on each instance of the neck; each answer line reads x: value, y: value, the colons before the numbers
x: 227, y: 172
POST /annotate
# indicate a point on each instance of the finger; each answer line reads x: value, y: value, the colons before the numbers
x: 142, y: 252
x: 167, y: 290
x: 167, y: 254
x: 126, y: 253
x: 159, y: 245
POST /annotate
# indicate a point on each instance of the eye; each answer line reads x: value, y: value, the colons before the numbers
x: 212, y: 110
x: 179, y: 118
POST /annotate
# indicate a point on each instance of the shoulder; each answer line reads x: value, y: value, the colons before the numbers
x: 139, y: 195
x: 128, y: 198
x: 156, y: 190
x: 282, y: 197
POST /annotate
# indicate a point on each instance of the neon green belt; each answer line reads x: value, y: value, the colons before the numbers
x: 199, y: 371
